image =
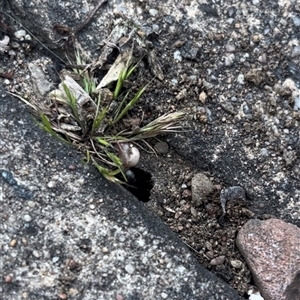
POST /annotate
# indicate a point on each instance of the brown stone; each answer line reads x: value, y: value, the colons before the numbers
x: 272, y: 251
x: 201, y: 188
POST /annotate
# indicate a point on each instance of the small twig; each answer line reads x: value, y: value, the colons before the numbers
x: 25, y: 101
x: 191, y: 247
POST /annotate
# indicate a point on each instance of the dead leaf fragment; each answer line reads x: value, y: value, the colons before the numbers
x: 116, y: 69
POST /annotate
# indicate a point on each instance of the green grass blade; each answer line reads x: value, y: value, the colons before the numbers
x: 89, y: 84
x: 99, y: 118
x: 87, y: 157
x: 46, y: 125
x: 106, y: 173
x: 72, y: 101
x: 130, y: 71
x: 114, y: 158
x: 132, y: 102
x: 117, y: 161
x: 119, y: 108
x: 102, y: 141
x: 125, y: 74
x: 119, y: 84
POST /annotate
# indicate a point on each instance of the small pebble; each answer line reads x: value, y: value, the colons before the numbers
x: 230, y: 48
x: 296, y: 20
x: 8, y: 279
x: 55, y: 259
x: 51, y: 184
x: 202, y: 97
x: 210, y: 254
x: 194, y: 212
x: 255, y: 38
x: 13, y: 243
x: 240, y: 79
x: 177, y: 55
x: 161, y: 147
x: 28, y: 37
x: 237, y: 264
x: 208, y: 245
x: 164, y: 295
x: 104, y: 250
x: 122, y: 238
x: 27, y: 218
x: 31, y: 204
x: 217, y: 260
x: 20, y: 33
x: 207, y: 84
x: 36, y: 254
x: 129, y: 269
x: 153, y: 12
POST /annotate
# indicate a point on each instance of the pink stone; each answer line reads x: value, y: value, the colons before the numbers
x: 272, y: 251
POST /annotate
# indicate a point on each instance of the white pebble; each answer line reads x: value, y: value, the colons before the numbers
x: 104, y: 250
x: 51, y: 184
x: 229, y: 58
x: 129, y: 269
x: 20, y: 33
x: 177, y: 55
x: 55, y: 259
x: 36, y: 254
x: 237, y: 264
x: 28, y: 37
x: 240, y: 78
x: 263, y: 152
x: 181, y: 269
x: 27, y: 218
x: 230, y: 48
x: 31, y: 203
x: 153, y: 12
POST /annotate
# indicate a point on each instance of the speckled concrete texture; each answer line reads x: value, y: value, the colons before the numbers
x: 67, y: 233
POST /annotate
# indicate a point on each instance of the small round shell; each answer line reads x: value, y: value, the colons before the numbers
x: 129, y: 154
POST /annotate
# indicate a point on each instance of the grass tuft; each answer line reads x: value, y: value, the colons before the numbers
x: 82, y: 117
